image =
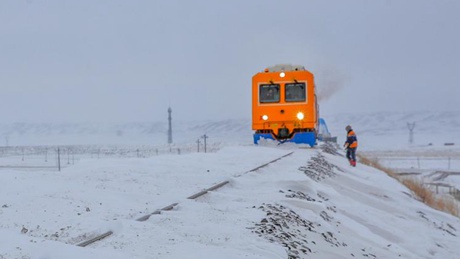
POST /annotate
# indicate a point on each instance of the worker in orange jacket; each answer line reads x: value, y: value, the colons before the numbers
x: 351, y: 144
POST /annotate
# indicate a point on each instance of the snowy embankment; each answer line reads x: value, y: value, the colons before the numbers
x: 310, y: 204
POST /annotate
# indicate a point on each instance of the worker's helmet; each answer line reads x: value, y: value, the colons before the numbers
x: 348, y: 128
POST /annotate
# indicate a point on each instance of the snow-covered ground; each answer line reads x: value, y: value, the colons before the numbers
x: 310, y: 204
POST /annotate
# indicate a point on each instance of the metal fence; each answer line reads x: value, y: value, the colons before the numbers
x: 439, y: 163
x: 57, y: 157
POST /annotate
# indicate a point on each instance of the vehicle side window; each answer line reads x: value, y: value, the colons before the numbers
x: 269, y: 93
x: 295, y: 92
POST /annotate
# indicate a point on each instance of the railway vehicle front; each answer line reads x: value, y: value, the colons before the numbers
x: 284, y: 105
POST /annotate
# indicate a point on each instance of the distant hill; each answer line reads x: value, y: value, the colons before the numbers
x: 374, y: 130
x: 390, y: 129
x: 147, y: 133
x: 382, y: 123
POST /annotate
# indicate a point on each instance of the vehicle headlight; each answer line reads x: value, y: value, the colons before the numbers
x: 300, y: 116
x: 282, y: 74
x: 264, y: 117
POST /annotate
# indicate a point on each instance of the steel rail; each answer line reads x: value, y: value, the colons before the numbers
x: 94, y: 239
x: 266, y: 164
x: 146, y: 217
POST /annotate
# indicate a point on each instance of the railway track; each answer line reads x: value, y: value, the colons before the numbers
x: 171, y: 206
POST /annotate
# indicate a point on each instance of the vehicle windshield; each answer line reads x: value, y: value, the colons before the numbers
x: 269, y: 93
x: 295, y: 92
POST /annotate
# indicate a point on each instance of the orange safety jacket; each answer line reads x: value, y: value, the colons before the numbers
x: 352, y: 141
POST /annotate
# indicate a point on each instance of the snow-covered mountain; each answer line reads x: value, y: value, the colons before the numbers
x: 374, y: 130
x: 137, y: 133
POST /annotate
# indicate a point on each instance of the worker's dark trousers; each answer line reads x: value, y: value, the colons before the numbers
x: 351, y: 153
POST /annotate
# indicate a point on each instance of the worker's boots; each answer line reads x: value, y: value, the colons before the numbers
x: 352, y: 162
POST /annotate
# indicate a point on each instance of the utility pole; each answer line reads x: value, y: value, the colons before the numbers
x: 198, y: 145
x: 204, y: 137
x: 411, y: 127
x: 170, y: 126
x: 59, y: 159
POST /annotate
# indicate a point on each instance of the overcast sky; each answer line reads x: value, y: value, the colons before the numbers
x: 124, y: 61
